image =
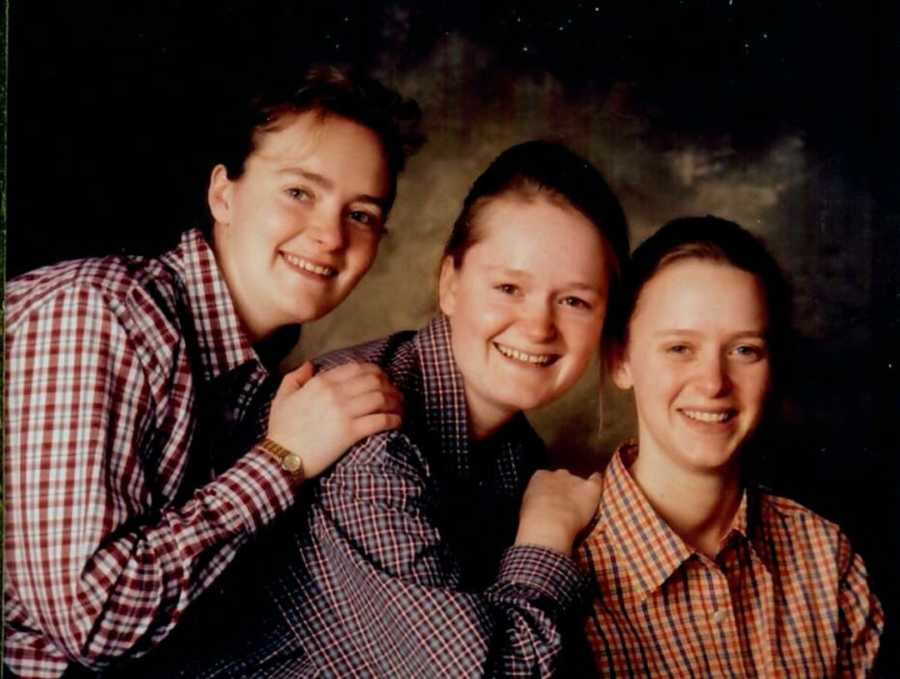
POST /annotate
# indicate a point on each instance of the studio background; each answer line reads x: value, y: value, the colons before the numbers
x: 780, y: 116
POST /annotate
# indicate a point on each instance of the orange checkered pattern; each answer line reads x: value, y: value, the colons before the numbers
x: 786, y: 596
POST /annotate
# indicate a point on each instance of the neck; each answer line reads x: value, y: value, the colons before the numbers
x: 699, y: 506
x: 484, y: 425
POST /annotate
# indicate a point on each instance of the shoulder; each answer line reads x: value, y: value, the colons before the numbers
x: 388, y: 454
x: 125, y: 285
x: 791, y: 528
x: 395, y: 354
x: 778, y: 510
x: 123, y: 309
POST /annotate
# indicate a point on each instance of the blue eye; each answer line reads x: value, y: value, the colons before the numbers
x: 678, y: 349
x: 298, y: 193
x: 366, y: 221
x: 749, y: 353
x: 576, y: 302
x: 366, y: 218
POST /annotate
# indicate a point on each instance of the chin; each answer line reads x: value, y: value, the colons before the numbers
x: 526, y: 402
x: 715, y: 462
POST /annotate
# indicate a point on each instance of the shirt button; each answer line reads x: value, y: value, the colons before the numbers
x: 719, y: 616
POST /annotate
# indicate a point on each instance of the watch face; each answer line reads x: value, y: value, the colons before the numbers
x: 291, y: 463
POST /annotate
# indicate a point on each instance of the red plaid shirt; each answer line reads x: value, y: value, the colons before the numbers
x: 126, y: 379
x: 785, y: 597
x: 399, y: 565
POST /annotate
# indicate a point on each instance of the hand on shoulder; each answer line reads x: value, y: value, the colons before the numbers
x: 556, y: 507
x: 320, y: 416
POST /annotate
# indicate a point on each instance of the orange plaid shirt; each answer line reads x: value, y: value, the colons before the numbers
x: 786, y: 596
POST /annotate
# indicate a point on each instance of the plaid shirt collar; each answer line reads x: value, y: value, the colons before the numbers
x: 222, y: 343
x: 446, y: 415
x: 651, y: 549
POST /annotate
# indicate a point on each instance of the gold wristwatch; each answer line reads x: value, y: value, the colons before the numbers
x: 289, y: 461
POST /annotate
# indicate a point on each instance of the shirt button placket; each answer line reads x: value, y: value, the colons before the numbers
x: 721, y: 619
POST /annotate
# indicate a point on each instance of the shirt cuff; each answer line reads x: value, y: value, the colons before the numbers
x: 553, y: 575
x: 258, y: 488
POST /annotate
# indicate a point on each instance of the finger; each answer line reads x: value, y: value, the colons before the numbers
x: 374, y: 402
x: 593, y: 488
x: 362, y: 384
x: 349, y: 371
x: 295, y: 379
x: 372, y: 424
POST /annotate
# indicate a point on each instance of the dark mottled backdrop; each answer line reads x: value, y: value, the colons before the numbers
x: 780, y: 115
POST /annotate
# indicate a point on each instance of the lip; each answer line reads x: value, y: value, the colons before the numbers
x: 709, y: 418
x: 525, y: 358
x: 309, y: 268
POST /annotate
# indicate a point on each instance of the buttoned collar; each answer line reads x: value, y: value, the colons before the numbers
x: 446, y: 415
x: 223, y: 345
x: 651, y: 551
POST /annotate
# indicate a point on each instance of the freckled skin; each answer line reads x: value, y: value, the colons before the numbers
x: 534, y: 284
x: 315, y: 189
x: 697, y: 347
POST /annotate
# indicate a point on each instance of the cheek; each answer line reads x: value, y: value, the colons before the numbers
x: 362, y: 251
x: 756, y: 387
x: 583, y: 337
x: 654, y: 380
x: 477, y: 309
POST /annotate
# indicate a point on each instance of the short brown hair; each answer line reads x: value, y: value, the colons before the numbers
x: 329, y: 89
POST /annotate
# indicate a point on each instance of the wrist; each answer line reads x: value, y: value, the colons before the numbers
x: 548, y: 537
x: 290, y: 462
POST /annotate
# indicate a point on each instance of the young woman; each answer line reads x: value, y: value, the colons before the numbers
x: 135, y: 464
x: 697, y: 572
x: 417, y: 555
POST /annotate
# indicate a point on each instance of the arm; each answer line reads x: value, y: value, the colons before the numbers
x: 91, y: 562
x: 860, y: 616
x: 393, y: 602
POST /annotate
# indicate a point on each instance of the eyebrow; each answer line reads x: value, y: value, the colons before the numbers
x: 758, y: 334
x: 521, y: 273
x: 328, y: 185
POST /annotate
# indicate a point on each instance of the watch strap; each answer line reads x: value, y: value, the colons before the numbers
x: 289, y: 461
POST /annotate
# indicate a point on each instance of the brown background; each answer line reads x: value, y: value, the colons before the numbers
x: 781, y: 116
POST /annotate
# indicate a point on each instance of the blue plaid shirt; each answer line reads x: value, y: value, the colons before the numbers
x: 395, y: 565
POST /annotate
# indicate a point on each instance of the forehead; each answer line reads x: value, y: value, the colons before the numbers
x: 702, y: 295
x: 318, y: 140
x: 537, y: 234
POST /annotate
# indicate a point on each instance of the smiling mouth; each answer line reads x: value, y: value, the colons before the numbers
x: 709, y: 416
x: 525, y: 357
x: 309, y: 267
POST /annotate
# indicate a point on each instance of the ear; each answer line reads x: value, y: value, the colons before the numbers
x: 447, y: 284
x: 621, y: 369
x: 219, y: 194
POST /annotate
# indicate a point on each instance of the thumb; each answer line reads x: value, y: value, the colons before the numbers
x: 295, y: 379
x: 595, y: 482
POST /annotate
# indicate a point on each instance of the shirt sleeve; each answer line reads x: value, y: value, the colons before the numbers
x: 93, y: 564
x: 861, y: 618
x: 391, y: 596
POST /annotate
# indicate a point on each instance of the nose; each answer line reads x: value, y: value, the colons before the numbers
x: 539, y: 323
x: 712, y: 376
x: 327, y: 231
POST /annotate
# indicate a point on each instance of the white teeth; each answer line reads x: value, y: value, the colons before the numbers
x: 309, y: 266
x: 704, y: 416
x: 535, y: 359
